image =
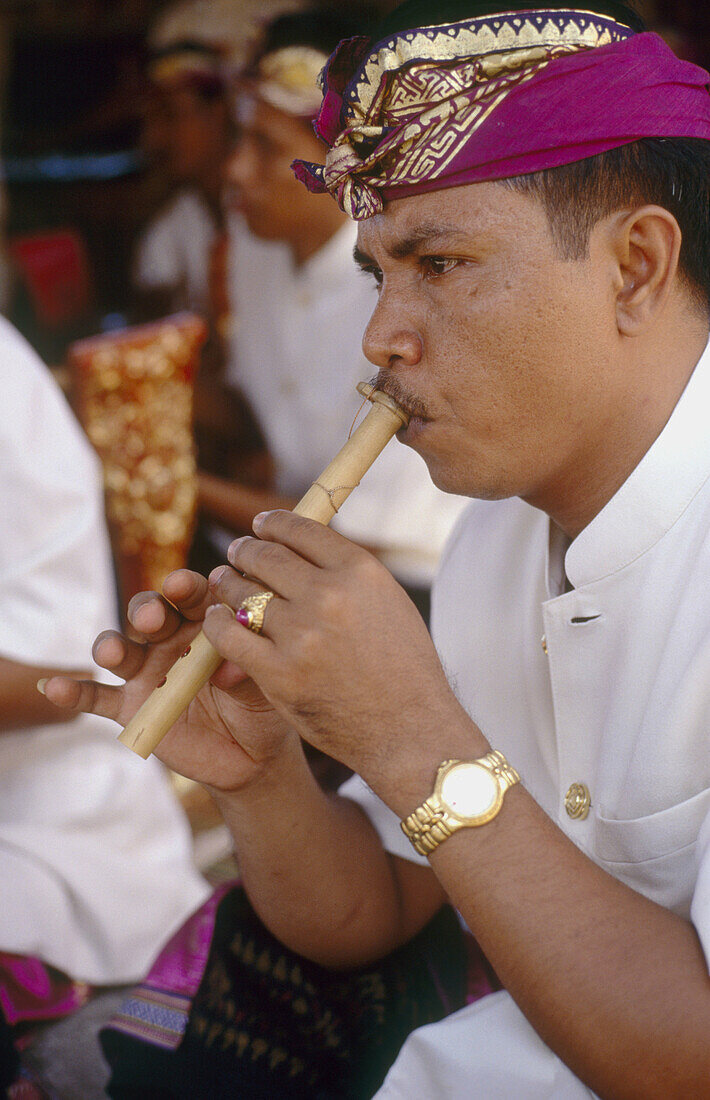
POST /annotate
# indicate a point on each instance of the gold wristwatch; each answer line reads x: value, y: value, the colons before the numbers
x: 466, y: 793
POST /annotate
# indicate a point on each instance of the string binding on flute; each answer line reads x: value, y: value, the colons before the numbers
x: 336, y: 489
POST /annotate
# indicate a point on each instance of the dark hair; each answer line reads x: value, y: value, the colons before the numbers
x: 426, y: 13
x: 670, y: 172
x: 315, y: 27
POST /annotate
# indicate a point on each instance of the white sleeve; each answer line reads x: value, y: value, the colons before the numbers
x: 57, y: 586
x: 490, y: 1043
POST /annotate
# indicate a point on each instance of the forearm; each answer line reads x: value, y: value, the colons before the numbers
x: 316, y: 873
x: 21, y: 704
x: 235, y: 505
x: 616, y: 985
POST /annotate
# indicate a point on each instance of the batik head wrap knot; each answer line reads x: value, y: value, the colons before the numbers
x: 493, y: 97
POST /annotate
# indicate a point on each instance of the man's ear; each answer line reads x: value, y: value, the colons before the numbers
x: 646, y: 245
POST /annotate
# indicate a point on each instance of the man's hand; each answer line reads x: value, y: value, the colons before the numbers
x: 344, y: 655
x: 311, y: 863
x: 228, y: 734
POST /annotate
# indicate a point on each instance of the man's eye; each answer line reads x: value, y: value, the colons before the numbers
x: 434, y: 266
x: 374, y: 272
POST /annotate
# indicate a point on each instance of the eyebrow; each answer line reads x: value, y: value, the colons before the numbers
x: 428, y: 235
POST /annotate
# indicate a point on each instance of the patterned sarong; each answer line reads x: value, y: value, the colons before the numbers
x: 265, y: 1023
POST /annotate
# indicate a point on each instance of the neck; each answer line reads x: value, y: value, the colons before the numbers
x: 211, y: 189
x: 310, y: 236
x: 596, y: 472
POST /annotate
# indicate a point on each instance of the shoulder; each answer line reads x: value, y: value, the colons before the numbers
x: 15, y: 349
x: 38, y: 428
x: 180, y: 219
x: 24, y: 377
x: 183, y: 209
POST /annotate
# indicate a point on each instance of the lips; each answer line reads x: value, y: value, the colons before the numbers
x: 415, y: 427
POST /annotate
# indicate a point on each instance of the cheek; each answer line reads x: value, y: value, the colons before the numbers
x: 275, y: 180
x: 497, y: 377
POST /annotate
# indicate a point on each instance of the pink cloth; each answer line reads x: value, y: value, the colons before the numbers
x: 31, y: 992
x: 565, y: 109
x: 157, y: 1010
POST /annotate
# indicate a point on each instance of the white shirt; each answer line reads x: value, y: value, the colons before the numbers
x: 620, y: 702
x: 297, y: 356
x: 174, y: 252
x: 96, y: 867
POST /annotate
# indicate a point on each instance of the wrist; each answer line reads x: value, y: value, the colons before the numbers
x: 467, y: 794
x: 266, y: 782
x: 405, y: 776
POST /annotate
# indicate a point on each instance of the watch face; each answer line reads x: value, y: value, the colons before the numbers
x: 470, y: 790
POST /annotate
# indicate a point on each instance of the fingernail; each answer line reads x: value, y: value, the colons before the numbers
x: 233, y: 548
x: 259, y: 520
x: 216, y: 607
x: 41, y: 685
x: 217, y: 574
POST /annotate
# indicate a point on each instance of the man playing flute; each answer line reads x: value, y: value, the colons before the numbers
x: 531, y: 189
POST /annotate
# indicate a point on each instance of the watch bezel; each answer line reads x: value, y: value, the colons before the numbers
x: 469, y: 819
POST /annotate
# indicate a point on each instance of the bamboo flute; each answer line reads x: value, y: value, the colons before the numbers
x: 191, y: 672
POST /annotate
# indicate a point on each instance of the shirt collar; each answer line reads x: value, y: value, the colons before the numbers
x: 656, y: 493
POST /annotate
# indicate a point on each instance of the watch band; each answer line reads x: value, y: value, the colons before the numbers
x: 433, y: 822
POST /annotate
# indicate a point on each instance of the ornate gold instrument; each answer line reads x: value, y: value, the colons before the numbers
x: 322, y: 501
x: 133, y: 393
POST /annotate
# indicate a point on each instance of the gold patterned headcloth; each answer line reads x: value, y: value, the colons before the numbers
x: 492, y: 97
x: 186, y: 63
x: 289, y: 78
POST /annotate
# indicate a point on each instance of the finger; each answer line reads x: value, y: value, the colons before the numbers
x: 228, y: 676
x: 239, y: 645
x: 189, y: 592
x: 118, y: 654
x: 271, y: 563
x: 231, y: 590
x: 310, y: 540
x: 88, y: 696
x: 229, y: 587
x: 152, y: 617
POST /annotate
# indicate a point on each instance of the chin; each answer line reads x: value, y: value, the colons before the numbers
x: 451, y: 478
x: 260, y: 226
x: 445, y: 477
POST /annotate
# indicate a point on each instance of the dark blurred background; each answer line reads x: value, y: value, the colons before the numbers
x: 77, y: 190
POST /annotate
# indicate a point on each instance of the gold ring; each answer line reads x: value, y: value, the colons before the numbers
x: 250, y: 612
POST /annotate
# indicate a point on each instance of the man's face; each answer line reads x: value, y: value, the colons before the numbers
x: 186, y: 134
x: 261, y: 184
x: 506, y: 351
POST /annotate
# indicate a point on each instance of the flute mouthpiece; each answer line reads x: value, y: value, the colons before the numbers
x: 366, y: 389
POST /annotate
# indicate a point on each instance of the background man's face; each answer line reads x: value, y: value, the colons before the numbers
x: 184, y: 133
x: 512, y: 350
x: 260, y: 181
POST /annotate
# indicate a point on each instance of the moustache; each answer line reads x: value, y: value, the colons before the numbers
x: 388, y: 382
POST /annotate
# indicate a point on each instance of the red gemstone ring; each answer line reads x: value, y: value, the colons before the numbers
x: 250, y: 612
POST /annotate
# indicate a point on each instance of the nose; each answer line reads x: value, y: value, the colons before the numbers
x: 240, y: 169
x: 390, y: 340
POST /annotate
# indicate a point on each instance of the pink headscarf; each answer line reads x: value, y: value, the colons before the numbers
x: 491, y: 98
